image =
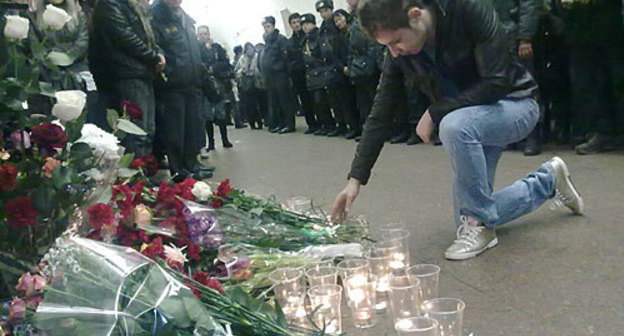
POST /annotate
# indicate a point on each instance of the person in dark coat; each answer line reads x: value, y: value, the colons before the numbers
x: 124, y: 60
x: 180, y: 98
x: 279, y: 84
x: 481, y: 99
x: 296, y: 68
x: 317, y: 75
x: 216, y: 63
x: 334, y: 52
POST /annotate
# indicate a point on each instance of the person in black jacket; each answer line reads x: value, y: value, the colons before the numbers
x: 279, y: 84
x: 124, y: 60
x: 457, y: 53
x: 180, y: 98
x: 216, y: 63
x: 334, y: 50
x: 296, y: 67
x: 316, y: 75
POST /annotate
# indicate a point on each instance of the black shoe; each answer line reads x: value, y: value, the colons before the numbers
x: 227, y: 144
x: 274, y: 130
x: 353, y: 134
x: 320, y: 131
x: 240, y: 126
x: 201, y: 175
x: 413, y: 140
x: 400, y: 138
x: 533, y: 143
x: 286, y: 130
x: 253, y: 126
x: 358, y: 138
x: 337, y: 132
x: 203, y: 168
x: 310, y: 131
x: 597, y: 143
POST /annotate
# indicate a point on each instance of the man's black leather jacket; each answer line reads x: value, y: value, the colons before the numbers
x: 118, y: 44
x: 471, y: 54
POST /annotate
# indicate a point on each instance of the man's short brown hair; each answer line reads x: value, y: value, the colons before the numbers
x: 378, y: 15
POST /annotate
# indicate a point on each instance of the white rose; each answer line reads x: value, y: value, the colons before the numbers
x: 16, y: 27
x: 201, y: 190
x: 55, y: 18
x: 69, y: 104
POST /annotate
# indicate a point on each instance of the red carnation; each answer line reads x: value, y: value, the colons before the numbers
x: 48, y: 136
x: 166, y: 194
x: 193, y: 251
x: 184, y: 189
x: 125, y: 203
x: 100, y: 214
x: 222, y: 193
x: 204, y: 279
x: 20, y: 212
x: 133, y: 110
x: 8, y: 177
x: 155, y: 249
x: 149, y: 163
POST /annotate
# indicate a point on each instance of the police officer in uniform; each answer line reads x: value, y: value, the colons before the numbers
x: 297, y: 72
x: 281, y: 98
x: 334, y: 51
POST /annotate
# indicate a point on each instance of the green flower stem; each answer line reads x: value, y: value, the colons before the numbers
x: 16, y: 68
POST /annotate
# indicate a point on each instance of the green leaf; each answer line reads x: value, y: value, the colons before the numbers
x: 257, y: 211
x: 111, y: 117
x: 80, y: 151
x: 129, y: 127
x: 61, y: 177
x: 73, y: 128
x: 37, y: 49
x: 281, y: 318
x: 45, y: 199
x: 46, y: 89
x: 60, y: 58
x: 126, y: 160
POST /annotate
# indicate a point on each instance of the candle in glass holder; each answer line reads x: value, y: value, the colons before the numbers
x: 361, y: 299
x: 417, y: 326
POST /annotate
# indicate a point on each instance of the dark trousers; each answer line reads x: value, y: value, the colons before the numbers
x: 139, y: 91
x: 341, y: 102
x: 250, y: 105
x: 282, y: 101
x: 365, y: 96
x: 322, y: 109
x: 181, y: 127
x: 263, y: 101
x: 305, y: 99
x: 597, y: 83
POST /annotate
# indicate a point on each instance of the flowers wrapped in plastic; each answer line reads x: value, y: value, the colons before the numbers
x: 102, y: 289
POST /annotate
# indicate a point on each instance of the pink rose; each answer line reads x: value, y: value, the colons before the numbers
x: 17, y: 310
x: 49, y: 166
x: 30, y: 284
x: 142, y: 215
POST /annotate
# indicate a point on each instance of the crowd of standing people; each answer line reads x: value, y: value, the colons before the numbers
x: 327, y: 72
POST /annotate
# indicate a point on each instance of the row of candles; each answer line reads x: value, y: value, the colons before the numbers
x: 380, y: 281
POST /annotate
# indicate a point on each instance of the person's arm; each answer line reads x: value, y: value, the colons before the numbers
x: 529, y: 11
x: 113, y: 21
x: 378, y: 126
x: 492, y: 57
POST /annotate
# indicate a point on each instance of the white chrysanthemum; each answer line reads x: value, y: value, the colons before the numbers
x: 94, y: 174
x: 175, y: 255
x: 103, y: 144
x: 201, y: 190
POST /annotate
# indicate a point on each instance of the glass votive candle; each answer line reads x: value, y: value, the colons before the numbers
x: 322, y: 276
x: 379, y: 264
x: 349, y: 267
x: 398, y: 258
x: 401, y: 236
x: 289, y: 289
x: 388, y: 227
x: 448, y: 312
x: 429, y: 276
x: 325, y: 302
x: 299, y: 204
x: 404, y: 297
x: 417, y: 326
x: 361, y: 294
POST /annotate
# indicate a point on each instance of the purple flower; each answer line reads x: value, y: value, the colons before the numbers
x: 16, y: 139
x: 203, y: 228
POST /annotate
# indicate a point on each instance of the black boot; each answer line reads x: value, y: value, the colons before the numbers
x: 414, y: 139
x: 400, y: 138
x: 533, y: 144
x: 341, y: 130
x: 210, y: 131
x: 224, y: 136
x: 353, y: 134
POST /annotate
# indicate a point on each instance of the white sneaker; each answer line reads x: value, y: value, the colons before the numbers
x: 564, y: 190
x: 473, y: 238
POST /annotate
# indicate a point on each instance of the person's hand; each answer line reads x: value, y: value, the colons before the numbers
x: 425, y: 127
x: 525, y: 50
x: 161, y: 63
x: 343, y: 201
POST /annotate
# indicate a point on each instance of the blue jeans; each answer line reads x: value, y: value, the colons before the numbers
x: 474, y: 138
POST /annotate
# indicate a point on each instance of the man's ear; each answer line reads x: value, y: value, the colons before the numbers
x: 414, y: 16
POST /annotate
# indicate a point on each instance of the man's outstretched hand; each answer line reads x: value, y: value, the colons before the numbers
x: 343, y: 201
